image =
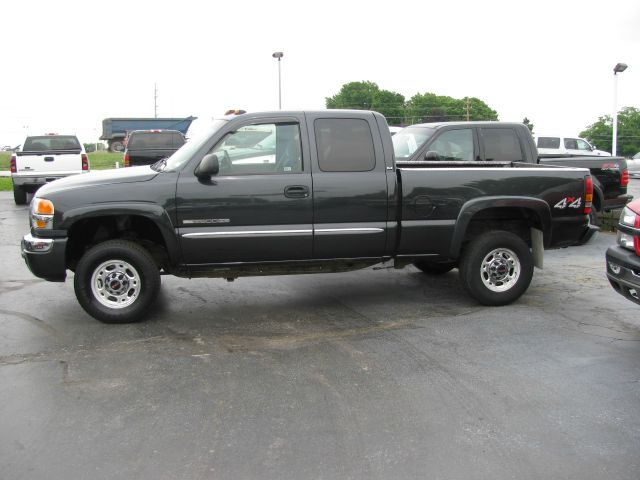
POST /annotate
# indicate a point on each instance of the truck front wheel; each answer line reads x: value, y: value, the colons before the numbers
x: 496, y: 268
x: 19, y: 195
x: 116, y: 281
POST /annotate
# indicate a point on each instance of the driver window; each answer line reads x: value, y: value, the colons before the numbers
x: 454, y: 145
x: 260, y: 149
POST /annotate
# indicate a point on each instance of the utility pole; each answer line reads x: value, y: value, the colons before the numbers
x: 155, y: 100
x: 468, y: 107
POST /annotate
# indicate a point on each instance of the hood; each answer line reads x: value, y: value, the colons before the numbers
x: 99, y: 177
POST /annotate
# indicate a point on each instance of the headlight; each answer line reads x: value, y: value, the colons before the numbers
x: 42, y: 214
x: 628, y: 217
x: 631, y: 219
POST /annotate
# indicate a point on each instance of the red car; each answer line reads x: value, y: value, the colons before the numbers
x: 623, y: 260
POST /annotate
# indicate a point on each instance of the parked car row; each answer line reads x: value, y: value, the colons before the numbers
x: 311, y: 192
x: 332, y: 192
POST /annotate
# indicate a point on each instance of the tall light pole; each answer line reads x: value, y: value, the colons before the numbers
x: 619, y: 68
x: 279, y: 56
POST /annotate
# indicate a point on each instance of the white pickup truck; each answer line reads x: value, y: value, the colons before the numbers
x: 43, y: 159
x: 554, y: 145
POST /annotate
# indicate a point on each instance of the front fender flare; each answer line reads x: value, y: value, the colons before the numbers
x: 154, y: 212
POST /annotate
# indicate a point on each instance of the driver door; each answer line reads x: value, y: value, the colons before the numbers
x: 258, y: 207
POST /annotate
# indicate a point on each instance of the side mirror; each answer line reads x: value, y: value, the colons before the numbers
x: 431, y: 155
x: 208, y: 166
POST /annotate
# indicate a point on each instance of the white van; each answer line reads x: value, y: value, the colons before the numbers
x: 568, y: 146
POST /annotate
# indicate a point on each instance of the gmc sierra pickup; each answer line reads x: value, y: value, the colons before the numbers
x: 303, y: 192
x: 513, y: 141
x: 43, y: 159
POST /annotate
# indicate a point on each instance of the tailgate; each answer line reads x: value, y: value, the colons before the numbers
x: 48, y: 162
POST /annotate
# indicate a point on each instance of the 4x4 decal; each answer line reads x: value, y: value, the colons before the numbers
x: 569, y: 202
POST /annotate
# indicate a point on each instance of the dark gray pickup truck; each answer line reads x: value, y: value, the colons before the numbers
x: 145, y: 147
x: 303, y: 192
x: 498, y: 141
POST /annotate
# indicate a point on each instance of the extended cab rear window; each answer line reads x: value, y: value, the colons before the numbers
x: 148, y: 140
x: 501, y: 145
x: 548, y: 142
x: 344, y: 145
x: 47, y: 143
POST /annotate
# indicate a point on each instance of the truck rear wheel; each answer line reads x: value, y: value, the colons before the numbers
x: 116, y: 281
x: 496, y: 268
x: 116, y: 146
x: 19, y: 195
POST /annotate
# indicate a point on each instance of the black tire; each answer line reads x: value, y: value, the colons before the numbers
x: 19, y: 195
x: 133, y: 276
x: 496, y: 268
x: 116, y: 146
x: 434, y: 268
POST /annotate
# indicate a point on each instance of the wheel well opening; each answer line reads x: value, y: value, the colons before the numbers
x: 86, y: 233
x: 512, y: 219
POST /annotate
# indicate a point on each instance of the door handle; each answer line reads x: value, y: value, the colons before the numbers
x: 296, y: 191
x: 48, y: 159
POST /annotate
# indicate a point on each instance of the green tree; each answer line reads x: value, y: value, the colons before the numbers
x: 601, y: 132
x: 528, y: 123
x: 368, y: 96
x: 429, y: 107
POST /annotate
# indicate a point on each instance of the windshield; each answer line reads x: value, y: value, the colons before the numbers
x: 187, y: 151
x: 408, y: 141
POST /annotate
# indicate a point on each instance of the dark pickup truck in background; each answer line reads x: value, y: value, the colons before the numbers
x: 145, y: 147
x: 513, y: 141
x: 304, y: 192
x: 115, y: 130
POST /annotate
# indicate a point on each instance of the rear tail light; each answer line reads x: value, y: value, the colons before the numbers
x: 588, y: 194
x: 126, y: 159
x: 13, y: 164
x: 85, y: 162
x: 624, y: 178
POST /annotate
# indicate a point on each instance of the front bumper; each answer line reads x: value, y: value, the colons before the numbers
x: 45, y: 257
x: 626, y: 280
x: 39, y: 179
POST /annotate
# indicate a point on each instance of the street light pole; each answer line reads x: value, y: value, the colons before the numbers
x: 619, y: 68
x: 279, y: 55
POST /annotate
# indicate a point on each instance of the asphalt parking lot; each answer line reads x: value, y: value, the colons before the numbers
x: 384, y: 374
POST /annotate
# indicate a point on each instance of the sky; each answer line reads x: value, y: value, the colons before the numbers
x: 70, y: 64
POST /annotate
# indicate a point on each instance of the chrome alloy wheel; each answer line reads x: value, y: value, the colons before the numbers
x: 115, y: 284
x: 500, y: 270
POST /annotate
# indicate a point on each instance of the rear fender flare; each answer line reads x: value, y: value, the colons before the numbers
x: 470, y: 209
